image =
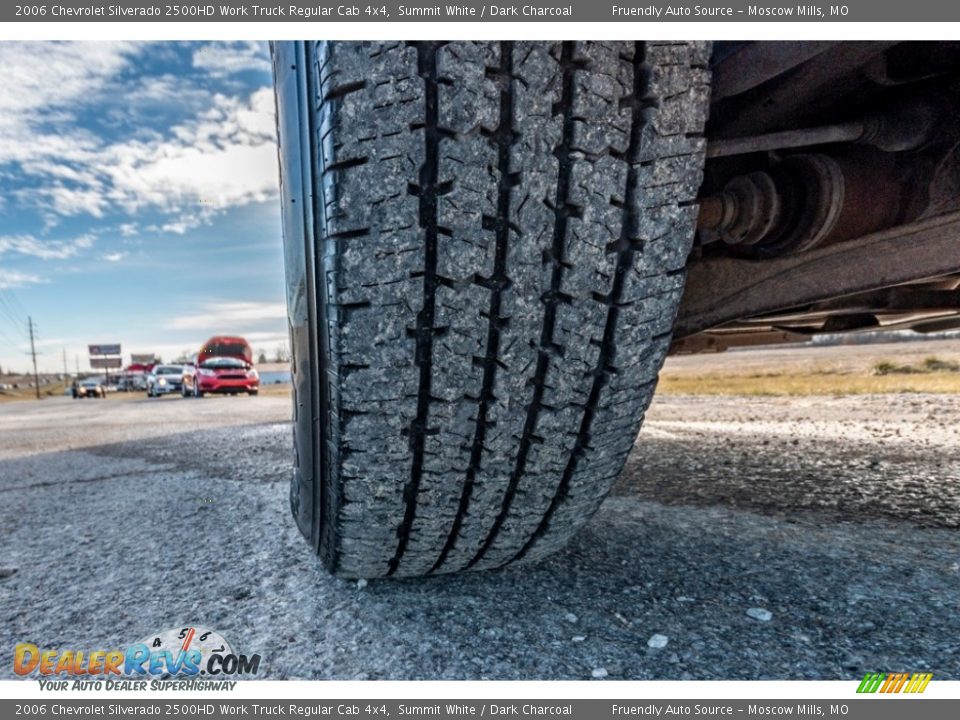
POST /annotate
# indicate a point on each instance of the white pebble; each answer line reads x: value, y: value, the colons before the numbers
x: 760, y: 614
x: 578, y: 638
x: 361, y: 583
x: 658, y: 641
x: 599, y: 673
x: 570, y: 617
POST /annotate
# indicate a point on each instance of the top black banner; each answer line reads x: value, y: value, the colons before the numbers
x: 473, y: 11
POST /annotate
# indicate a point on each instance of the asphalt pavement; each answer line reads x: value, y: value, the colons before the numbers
x: 746, y: 539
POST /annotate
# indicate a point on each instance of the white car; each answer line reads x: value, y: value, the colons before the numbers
x: 164, y: 379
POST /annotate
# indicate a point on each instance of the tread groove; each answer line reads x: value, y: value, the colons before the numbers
x: 504, y: 137
x: 428, y: 191
x: 552, y: 299
x: 628, y: 246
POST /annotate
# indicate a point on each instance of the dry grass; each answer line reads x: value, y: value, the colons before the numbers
x: 810, y: 383
x: 276, y: 390
x: 53, y: 390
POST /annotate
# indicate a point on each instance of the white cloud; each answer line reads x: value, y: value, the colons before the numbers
x: 235, y: 315
x: 226, y: 58
x: 15, y: 279
x: 44, y: 249
x: 74, y: 201
x: 222, y: 156
x: 39, y: 77
x: 227, y: 157
x: 113, y: 256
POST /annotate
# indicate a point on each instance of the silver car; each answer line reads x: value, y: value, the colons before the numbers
x: 164, y: 379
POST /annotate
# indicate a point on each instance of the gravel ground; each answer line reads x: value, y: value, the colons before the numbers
x: 747, y: 538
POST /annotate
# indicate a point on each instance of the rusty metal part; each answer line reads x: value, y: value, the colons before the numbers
x: 723, y: 289
x: 745, y: 212
x: 720, y: 340
x: 824, y: 135
x: 896, y: 301
x: 939, y: 325
x: 790, y: 209
x: 808, y: 200
x: 918, y: 305
x: 906, y: 126
x: 877, y: 194
x: 813, y: 197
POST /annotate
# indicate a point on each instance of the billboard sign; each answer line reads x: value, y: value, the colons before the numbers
x: 104, y: 349
x: 143, y: 358
x: 104, y: 363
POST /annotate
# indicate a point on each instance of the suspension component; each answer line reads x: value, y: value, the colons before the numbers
x: 807, y: 200
x: 907, y: 126
x: 788, y: 209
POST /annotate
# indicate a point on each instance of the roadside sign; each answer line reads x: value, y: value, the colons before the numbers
x: 104, y: 349
x: 103, y: 363
x: 142, y: 358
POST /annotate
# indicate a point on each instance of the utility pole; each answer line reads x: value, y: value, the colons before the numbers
x: 65, y: 373
x: 33, y: 354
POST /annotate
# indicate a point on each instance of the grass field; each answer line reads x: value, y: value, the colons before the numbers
x: 53, y: 390
x: 810, y: 383
x: 929, y: 367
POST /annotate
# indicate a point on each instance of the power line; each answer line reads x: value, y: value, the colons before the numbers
x: 8, y: 311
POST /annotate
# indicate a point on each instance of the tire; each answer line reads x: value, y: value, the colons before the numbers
x: 485, y: 247
x: 253, y: 393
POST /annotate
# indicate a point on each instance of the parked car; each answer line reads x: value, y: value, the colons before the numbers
x: 221, y: 347
x: 224, y: 375
x: 91, y: 387
x: 164, y: 379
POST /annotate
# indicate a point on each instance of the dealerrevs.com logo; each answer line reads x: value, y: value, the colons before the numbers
x: 186, y: 652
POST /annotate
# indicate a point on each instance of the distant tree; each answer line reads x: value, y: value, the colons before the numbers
x: 261, y: 356
x: 281, y: 354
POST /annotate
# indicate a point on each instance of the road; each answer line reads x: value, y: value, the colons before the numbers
x: 761, y: 538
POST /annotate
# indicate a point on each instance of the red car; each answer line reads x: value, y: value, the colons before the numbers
x: 223, y: 365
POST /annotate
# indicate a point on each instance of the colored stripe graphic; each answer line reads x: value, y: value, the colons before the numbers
x: 871, y: 682
x: 894, y: 682
x: 918, y: 682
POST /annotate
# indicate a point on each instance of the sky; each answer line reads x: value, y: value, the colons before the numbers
x: 138, y: 199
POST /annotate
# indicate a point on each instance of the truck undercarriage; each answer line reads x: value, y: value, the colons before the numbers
x: 831, y: 194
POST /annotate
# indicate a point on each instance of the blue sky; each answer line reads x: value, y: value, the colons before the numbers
x: 138, y: 198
